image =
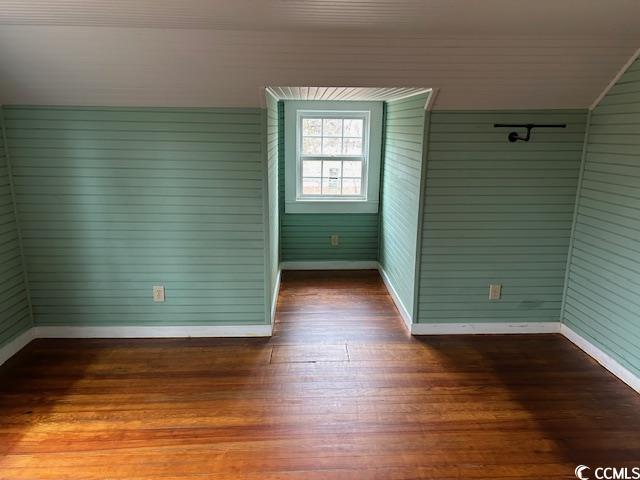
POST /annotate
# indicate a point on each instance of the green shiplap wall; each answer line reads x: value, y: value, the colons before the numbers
x: 602, y: 300
x: 112, y: 201
x: 497, y: 212
x: 272, y: 194
x: 307, y: 237
x: 401, y: 183
x: 15, y: 316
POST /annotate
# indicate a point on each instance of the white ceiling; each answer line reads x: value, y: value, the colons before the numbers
x: 492, y: 54
x: 433, y: 17
x: 344, y: 93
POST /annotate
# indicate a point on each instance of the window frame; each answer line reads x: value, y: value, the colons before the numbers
x: 368, y: 202
x: 364, y: 115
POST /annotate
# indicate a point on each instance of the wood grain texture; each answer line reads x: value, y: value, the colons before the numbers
x: 340, y: 392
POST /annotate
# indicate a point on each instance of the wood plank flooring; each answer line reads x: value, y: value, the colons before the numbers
x: 340, y: 392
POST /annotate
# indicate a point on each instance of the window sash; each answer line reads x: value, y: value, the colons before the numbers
x: 340, y: 177
x: 363, y: 158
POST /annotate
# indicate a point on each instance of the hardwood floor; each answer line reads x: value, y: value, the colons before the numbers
x: 341, y: 391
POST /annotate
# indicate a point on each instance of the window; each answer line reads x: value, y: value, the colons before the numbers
x: 332, y: 156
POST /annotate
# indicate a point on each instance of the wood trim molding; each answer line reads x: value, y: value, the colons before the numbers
x: 484, y: 328
x: 404, y: 313
x: 274, y: 299
x: 615, y: 79
x: 12, y: 347
x: 150, y: 331
x: 331, y: 265
x: 602, y: 358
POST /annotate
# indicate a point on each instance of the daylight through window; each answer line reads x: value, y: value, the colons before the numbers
x: 332, y: 155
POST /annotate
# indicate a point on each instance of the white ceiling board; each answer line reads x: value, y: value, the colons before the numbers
x: 344, y: 93
x: 435, y: 17
x: 172, y: 67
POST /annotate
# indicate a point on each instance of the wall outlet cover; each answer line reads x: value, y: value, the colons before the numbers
x: 495, y: 291
x: 335, y: 240
x: 158, y: 293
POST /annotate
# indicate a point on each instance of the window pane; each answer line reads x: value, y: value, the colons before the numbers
x: 312, y: 168
x: 332, y: 169
x: 311, y: 186
x: 353, y: 127
x: 352, y: 169
x: 351, y: 186
x: 331, y: 146
x: 332, y: 127
x: 311, y: 127
x: 331, y: 186
x: 311, y: 145
x: 352, y: 146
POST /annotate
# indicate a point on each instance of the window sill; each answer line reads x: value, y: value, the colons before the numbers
x: 331, y: 206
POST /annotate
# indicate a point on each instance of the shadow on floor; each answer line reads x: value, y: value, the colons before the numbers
x: 555, y: 391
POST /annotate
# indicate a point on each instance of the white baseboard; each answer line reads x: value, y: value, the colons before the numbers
x: 484, y: 328
x: 274, y: 298
x: 17, y: 344
x: 331, y: 265
x: 14, y: 346
x: 602, y: 358
x: 153, y: 331
x: 404, y: 313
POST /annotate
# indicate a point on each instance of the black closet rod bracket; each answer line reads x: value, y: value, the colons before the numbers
x: 515, y: 136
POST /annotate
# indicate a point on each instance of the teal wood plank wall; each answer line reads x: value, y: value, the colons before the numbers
x: 497, y: 212
x: 15, y: 316
x: 401, y: 183
x: 307, y: 237
x: 272, y: 193
x: 602, y: 300
x: 112, y: 201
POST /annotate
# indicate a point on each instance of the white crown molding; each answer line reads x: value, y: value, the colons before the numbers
x: 615, y: 79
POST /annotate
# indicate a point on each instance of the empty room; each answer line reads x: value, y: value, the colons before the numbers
x: 319, y: 239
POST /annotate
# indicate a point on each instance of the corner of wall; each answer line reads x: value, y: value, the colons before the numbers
x: 16, y: 215
x: 574, y: 220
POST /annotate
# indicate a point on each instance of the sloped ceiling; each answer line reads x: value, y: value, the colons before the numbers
x: 492, y: 54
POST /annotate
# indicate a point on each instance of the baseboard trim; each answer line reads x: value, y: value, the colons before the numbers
x: 331, y: 265
x: 274, y: 298
x: 14, y: 346
x: 484, y: 328
x: 153, y: 331
x: 396, y: 299
x: 601, y: 357
x: 18, y: 343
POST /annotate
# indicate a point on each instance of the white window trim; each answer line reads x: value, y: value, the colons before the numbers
x: 368, y: 202
x: 365, y: 115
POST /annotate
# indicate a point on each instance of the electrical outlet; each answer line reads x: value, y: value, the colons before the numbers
x: 158, y: 293
x: 495, y: 291
x: 335, y: 240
